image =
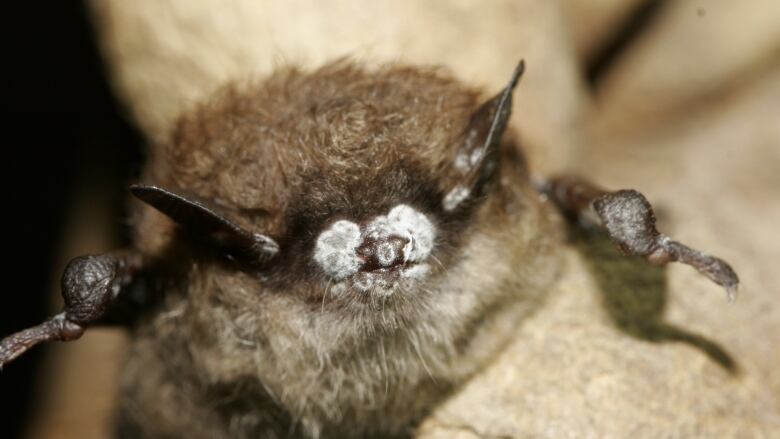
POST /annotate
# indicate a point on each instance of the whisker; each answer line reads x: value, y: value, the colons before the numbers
x: 438, y: 261
x: 327, y: 290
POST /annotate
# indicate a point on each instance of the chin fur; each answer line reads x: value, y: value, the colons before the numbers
x: 358, y: 365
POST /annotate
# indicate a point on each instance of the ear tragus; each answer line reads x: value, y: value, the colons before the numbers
x: 196, y: 217
x: 476, y: 159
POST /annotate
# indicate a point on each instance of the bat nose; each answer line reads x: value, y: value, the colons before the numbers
x: 385, y: 252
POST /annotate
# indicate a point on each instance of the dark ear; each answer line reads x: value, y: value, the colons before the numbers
x: 196, y: 217
x: 477, y: 158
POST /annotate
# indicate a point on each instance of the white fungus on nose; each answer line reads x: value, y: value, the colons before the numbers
x: 385, y: 254
x: 335, y: 250
x: 408, y: 223
x: 336, y: 247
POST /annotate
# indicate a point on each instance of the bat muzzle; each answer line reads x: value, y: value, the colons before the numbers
x: 378, y: 254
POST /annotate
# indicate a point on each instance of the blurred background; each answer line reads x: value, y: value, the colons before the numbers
x: 680, y: 99
x: 70, y: 151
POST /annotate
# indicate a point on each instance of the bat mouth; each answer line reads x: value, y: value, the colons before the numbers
x: 385, y: 281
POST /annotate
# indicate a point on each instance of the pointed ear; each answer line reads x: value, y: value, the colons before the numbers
x: 477, y: 158
x: 196, y: 217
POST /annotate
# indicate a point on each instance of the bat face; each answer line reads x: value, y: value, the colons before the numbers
x: 366, y: 183
x: 358, y: 245
x: 355, y: 249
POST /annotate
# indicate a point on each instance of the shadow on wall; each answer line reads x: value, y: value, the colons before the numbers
x: 633, y: 294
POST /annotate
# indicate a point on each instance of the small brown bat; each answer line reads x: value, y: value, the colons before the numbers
x: 329, y: 254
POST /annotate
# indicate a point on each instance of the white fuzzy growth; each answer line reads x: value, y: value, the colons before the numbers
x: 368, y: 282
x: 465, y: 161
x: 405, y: 222
x: 385, y: 254
x: 419, y: 271
x: 476, y: 156
x: 462, y: 162
x: 335, y: 249
x: 455, y: 197
x: 413, y: 225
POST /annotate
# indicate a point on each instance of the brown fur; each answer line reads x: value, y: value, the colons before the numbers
x: 236, y: 354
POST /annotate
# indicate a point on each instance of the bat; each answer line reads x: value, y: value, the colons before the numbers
x: 331, y: 253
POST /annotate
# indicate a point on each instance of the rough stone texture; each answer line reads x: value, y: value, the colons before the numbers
x: 596, y: 364
x: 689, y: 115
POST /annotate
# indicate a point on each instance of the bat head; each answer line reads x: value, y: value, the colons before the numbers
x: 344, y: 188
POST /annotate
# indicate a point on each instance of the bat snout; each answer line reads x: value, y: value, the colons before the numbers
x: 377, y: 254
x: 383, y: 253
